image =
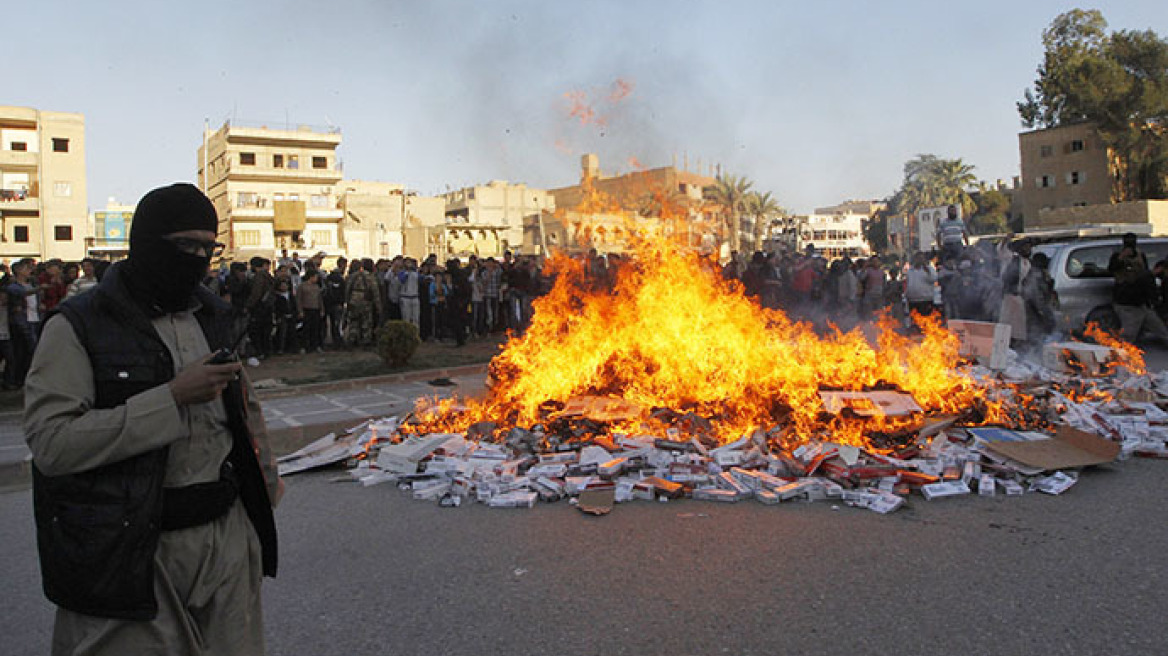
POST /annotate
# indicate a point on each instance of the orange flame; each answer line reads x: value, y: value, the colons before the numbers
x: 1130, y: 355
x: 671, y: 334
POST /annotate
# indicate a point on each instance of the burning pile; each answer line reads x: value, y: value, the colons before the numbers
x: 665, y: 383
x: 671, y: 339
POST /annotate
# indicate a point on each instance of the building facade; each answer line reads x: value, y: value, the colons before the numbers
x: 834, y: 235
x: 1062, y: 167
x: 273, y: 189
x: 488, y: 220
x: 607, y: 211
x: 384, y: 219
x: 42, y: 184
x: 111, y: 230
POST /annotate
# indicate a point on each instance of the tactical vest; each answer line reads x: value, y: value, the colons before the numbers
x: 98, y: 530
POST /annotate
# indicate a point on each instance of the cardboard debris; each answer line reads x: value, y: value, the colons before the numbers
x: 1078, y: 358
x: 1068, y: 448
x: 600, y: 408
x: 870, y: 404
x: 988, y: 342
x: 597, y: 501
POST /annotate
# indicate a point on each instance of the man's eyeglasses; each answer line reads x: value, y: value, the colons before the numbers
x: 197, y: 247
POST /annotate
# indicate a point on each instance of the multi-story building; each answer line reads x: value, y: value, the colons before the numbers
x: 273, y: 188
x: 487, y: 220
x: 42, y: 184
x: 605, y: 211
x: 111, y: 230
x: 1062, y: 167
x: 384, y: 219
x: 834, y: 235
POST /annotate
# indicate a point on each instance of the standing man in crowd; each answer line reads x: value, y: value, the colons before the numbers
x: 363, y: 303
x: 153, y: 479
x: 952, y: 235
x: 261, y: 300
x: 333, y: 295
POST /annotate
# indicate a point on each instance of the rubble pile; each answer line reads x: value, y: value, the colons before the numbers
x: 584, y: 453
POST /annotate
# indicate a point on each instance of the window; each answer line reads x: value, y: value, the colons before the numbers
x: 245, y: 199
x: 248, y: 237
x: 1077, y: 145
x: 247, y: 159
x: 320, y: 162
x: 63, y: 233
x: 320, y: 200
x: 293, y: 162
x: 278, y: 161
x: 1045, y: 151
x: 20, y: 146
x: 1045, y: 182
x: 62, y: 189
x: 1090, y: 261
x: 322, y: 238
x: 20, y: 234
x: 1074, y: 178
x: 60, y: 145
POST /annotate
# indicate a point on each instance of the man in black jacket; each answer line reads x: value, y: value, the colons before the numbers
x: 1135, y: 293
x: 153, y: 480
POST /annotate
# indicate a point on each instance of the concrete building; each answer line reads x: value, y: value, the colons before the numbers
x: 383, y: 219
x: 834, y: 235
x: 486, y: 220
x: 1062, y: 167
x: 604, y: 211
x: 110, y: 228
x: 42, y: 184
x: 273, y: 188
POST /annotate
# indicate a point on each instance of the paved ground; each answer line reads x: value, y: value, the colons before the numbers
x: 369, y: 571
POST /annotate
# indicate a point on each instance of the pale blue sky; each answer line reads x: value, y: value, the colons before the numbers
x: 816, y: 102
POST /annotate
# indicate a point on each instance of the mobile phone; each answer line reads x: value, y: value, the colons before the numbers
x: 222, y: 356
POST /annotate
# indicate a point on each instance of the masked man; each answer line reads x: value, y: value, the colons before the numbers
x: 153, y: 481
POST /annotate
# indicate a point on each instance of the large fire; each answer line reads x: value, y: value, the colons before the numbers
x: 669, y: 333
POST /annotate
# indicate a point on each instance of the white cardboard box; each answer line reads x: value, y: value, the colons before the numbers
x: 1078, y: 358
x: 988, y: 342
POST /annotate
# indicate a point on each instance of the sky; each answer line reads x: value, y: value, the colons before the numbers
x: 816, y: 102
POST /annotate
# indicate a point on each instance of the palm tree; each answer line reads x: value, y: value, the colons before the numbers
x: 932, y: 182
x: 763, y: 207
x: 729, y: 192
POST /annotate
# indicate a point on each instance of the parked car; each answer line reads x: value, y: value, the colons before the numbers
x: 1083, y: 283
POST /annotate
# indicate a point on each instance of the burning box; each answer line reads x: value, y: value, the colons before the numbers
x: 870, y: 404
x: 988, y: 342
x: 1079, y: 358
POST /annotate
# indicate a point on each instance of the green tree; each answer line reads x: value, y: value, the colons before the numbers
x: 930, y: 181
x: 763, y: 208
x: 876, y: 231
x: 729, y: 193
x: 989, y: 218
x: 1119, y: 82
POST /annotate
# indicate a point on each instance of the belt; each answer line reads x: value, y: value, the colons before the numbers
x: 201, y: 503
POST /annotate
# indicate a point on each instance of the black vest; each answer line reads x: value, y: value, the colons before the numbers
x: 97, y: 530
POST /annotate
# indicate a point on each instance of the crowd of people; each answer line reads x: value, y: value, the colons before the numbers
x: 301, y: 305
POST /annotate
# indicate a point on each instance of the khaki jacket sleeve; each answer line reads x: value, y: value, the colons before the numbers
x: 65, y: 433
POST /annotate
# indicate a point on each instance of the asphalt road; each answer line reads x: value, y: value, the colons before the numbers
x: 370, y: 571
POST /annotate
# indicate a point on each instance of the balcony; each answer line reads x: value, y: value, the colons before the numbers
x: 18, y: 199
x: 19, y: 158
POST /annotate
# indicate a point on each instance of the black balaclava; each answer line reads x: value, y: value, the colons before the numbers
x: 157, y: 271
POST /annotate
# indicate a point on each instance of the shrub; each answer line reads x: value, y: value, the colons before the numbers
x: 397, y: 341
